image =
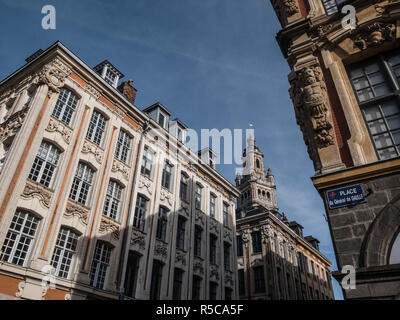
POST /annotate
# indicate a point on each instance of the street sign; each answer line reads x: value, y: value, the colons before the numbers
x: 345, y: 196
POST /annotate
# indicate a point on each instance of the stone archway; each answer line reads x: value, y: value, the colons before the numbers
x: 377, y: 244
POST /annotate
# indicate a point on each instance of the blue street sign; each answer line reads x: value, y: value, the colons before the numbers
x: 345, y: 196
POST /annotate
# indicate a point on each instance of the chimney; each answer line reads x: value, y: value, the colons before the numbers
x: 127, y: 89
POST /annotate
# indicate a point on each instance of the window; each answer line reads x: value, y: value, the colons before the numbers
x: 228, y: 293
x: 161, y: 120
x: 376, y: 85
x: 197, y: 240
x: 131, y: 274
x: 213, y: 249
x: 197, y: 196
x: 239, y: 244
x: 299, y: 261
x: 180, y: 135
x: 140, y: 212
x: 162, y: 223
x: 110, y: 77
x: 96, y: 128
x: 225, y: 212
x: 180, y: 235
x: 65, y: 106
x: 258, y: 163
x: 82, y: 185
x: 100, y: 265
x: 177, y: 289
x: 156, y: 277
x: 183, y: 191
x: 147, y: 162
x: 256, y: 241
x: 45, y: 164
x: 331, y: 6
x: 166, y: 176
x: 113, y: 200
x: 213, y: 291
x: 259, y: 282
x: 227, y: 256
x: 123, y: 146
x: 196, y: 288
x: 306, y: 264
x: 212, y: 205
x: 241, y: 282
x: 64, y: 252
x: 19, y: 239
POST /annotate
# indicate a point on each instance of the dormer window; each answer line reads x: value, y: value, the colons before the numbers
x: 161, y: 120
x: 110, y: 77
x: 180, y: 135
x: 109, y: 73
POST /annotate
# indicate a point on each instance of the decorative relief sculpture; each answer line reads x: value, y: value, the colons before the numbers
x: 138, y: 239
x: 56, y: 126
x: 285, y: 9
x: 199, y: 217
x: 12, y: 125
x: 180, y: 257
x: 246, y: 237
x: 214, y: 273
x: 266, y: 232
x: 228, y: 278
x: 54, y: 75
x: 227, y: 234
x: 165, y: 195
x: 198, y: 266
x: 21, y: 287
x: 214, y: 225
x: 184, y: 209
x: 160, y: 249
x: 94, y: 92
x: 35, y: 191
x: 374, y: 35
x: 119, y: 166
x: 74, y: 210
x: 89, y: 147
x: 119, y: 112
x: 109, y: 225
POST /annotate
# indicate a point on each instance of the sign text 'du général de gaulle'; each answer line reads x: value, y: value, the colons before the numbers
x: 345, y: 196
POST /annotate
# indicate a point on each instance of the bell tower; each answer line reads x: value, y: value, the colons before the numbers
x: 256, y: 185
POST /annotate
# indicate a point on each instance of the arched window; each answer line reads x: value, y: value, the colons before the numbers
x: 96, y: 128
x: 395, y: 252
x: 100, y: 265
x: 65, y: 106
x: 20, y: 237
x: 45, y: 164
x: 258, y: 163
x: 82, y: 185
x: 268, y: 196
x: 263, y: 194
x: 113, y: 200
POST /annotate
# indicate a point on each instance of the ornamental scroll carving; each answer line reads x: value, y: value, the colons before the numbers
x: 285, y: 8
x: 89, y: 147
x: 34, y: 191
x: 138, y: 239
x: 107, y: 225
x: 119, y: 166
x: 180, y: 257
x: 160, y: 249
x: 308, y: 93
x: 214, y: 272
x: 165, y: 195
x: 374, y: 35
x: 266, y: 232
x: 56, y: 126
x: 198, y: 266
x: 74, y: 210
x: 54, y: 75
x: 12, y: 125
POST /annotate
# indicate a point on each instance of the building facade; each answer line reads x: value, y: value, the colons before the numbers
x: 345, y: 89
x: 101, y: 200
x: 275, y: 261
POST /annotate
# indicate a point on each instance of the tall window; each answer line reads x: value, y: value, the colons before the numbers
x: 113, y: 200
x: 227, y: 256
x: 64, y: 252
x: 156, y: 277
x: 147, y: 162
x: 312, y: 268
x: 376, y: 83
x: 166, y: 175
x: 331, y: 6
x: 212, y: 205
x: 123, y: 146
x: 96, y: 128
x: 162, y: 223
x: 259, y: 280
x: 196, y: 288
x: 161, y: 120
x: 228, y: 293
x: 213, y: 249
x: 180, y: 235
x: 100, y: 265
x: 110, y: 77
x: 82, y: 185
x: 197, y: 196
x: 239, y: 244
x: 197, y: 240
x: 256, y: 241
x: 177, y: 288
x: 183, y: 190
x: 213, y: 291
x: 241, y: 282
x: 131, y: 275
x: 300, y: 261
x: 19, y: 239
x: 306, y: 264
x: 225, y: 212
x: 140, y: 212
x: 65, y: 106
x: 45, y: 164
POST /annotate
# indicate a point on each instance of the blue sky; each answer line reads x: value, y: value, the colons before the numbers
x: 213, y: 63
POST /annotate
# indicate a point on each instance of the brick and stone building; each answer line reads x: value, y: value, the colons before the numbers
x: 100, y: 200
x: 275, y: 261
x: 345, y: 89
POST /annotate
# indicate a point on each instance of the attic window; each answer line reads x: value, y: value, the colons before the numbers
x: 332, y: 6
x: 161, y: 120
x: 110, y: 76
x: 180, y: 137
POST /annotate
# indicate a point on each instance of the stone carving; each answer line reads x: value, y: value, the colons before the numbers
x: 119, y: 166
x: 266, y: 232
x: 246, y: 237
x: 227, y: 234
x: 184, y: 208
x: 89, y: 147
x: 74, y: 210
x: 21, y: 287
x: 214, y: 225
x: 109, y: 225
x: 374, y: 35
x: 165, y: 195
x: 199, y: 217
x: 12, y: 125
x: 35, y: 191
x: 160, y: 249
x: 308, y: 93
x: 228, y: 278
x: 180, y: 256
x: 214, y: 273
x: 56, y: 126
x: 68, y: 296
x: 285, y: 9
x: 324, y: 29
x: 138, y: 238
x: 119, y: 112
x: 94, y: 92
x: 198, y: 266
x: 53, y: 75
